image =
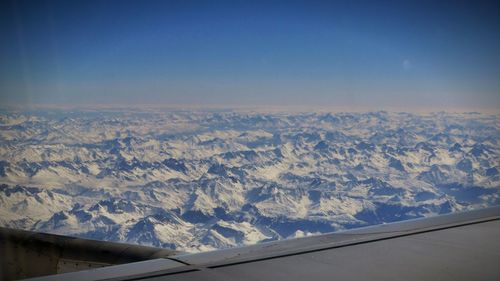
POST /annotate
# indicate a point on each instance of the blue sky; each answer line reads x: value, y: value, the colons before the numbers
x: 377, y: 54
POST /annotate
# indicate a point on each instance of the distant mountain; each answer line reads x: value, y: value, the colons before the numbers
x: 196, y: 181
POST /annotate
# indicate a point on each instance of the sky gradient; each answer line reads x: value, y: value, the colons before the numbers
x: 377, y: 54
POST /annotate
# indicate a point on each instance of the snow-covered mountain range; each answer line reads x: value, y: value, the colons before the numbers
x: 200, y: 180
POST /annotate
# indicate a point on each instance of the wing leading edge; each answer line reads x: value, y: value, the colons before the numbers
x: 461, y: 246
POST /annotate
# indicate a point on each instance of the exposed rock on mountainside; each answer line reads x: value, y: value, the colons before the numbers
x: 196, y: 181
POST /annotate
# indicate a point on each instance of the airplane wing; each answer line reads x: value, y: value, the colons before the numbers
x: 460, y: 246
x: 26, y: 254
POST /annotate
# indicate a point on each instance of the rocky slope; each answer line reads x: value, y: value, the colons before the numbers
x: 195, y: 181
